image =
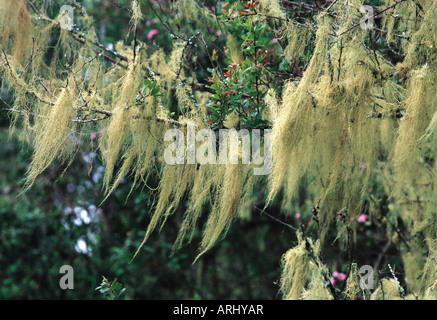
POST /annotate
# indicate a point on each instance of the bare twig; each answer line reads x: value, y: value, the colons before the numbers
x: 81, y: 39
x: 90, y: 120
x: 381, y: 255
x: 121, y: 7
x: 166, y: 25
x: 400, y: 289
x: 44, y: 86
x: 374, y: 16
x: 11, y: 109
x: 276, y: 219
x: 33, y: 55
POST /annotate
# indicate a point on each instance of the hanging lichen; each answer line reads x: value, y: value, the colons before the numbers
x: 353, y: 126
x: 52, y: 131
x: 301, y: 267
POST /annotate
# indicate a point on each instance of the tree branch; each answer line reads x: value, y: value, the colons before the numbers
x: 374, y: 16
x: 80, y: 39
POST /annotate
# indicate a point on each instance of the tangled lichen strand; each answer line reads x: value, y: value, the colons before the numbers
x: 114, y: 136
x: 225, y: 209
x: 388, y: 289
x: 51, y: 134
x: 293, y: 128
x: 295, y: 269
x: 16, y: 28
x: 353, y: 287
x: 303, y: 274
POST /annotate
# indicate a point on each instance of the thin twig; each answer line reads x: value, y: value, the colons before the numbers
x: 90, y: 120
x: 400, y: 289
x: 33, y: 55
x: 276, y: 219
x: 374, y: 16
x: 121, y: 7
x: 45, y: 87
x: 80, y: 39
x: 11, y: 109
x: 166, y: 25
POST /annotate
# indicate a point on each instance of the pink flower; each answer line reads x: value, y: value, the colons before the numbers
x: 337, y: 277
x: 363, y: 218
x: 341, y: 276
x: 363, y: 166
x: 333, y: 281
x: 153, y: 21
x: 152, y: 33
x: 297, y: 215
x: 94, y: 135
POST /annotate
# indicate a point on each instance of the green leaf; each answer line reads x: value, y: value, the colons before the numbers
x: 152, y: 85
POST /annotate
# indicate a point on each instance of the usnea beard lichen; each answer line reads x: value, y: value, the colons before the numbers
x: 52, y: 132
x: 113, y: 139
x: 351, y: 119
x: 303, y: 273
x: 328, y: 135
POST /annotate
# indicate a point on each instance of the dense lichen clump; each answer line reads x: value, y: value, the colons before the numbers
x: 333, y: 112
x: 52, y: 133
x: 303, y: 275
x: 113, y: 139
x: 351, y: 118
